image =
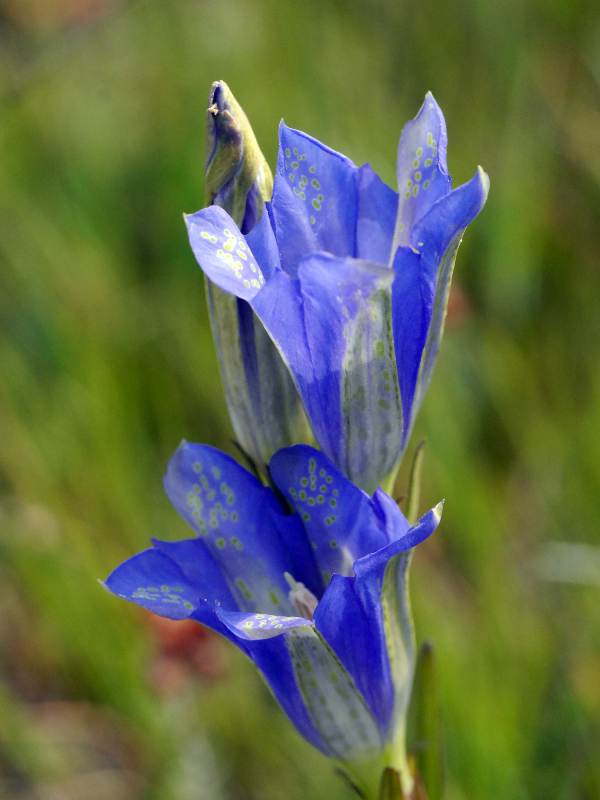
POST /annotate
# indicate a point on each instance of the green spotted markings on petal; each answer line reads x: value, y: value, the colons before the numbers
x: 307, y: 187
x: 336, y: 707
x: 163, y: 594
x: 371, y: 403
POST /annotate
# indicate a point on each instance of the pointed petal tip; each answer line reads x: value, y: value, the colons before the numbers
x: 477, y: 188
x: 484, y: 180
x: 190, y: 220
x: 438, y: 509
x: 431, y: 104
x: 183, y: 445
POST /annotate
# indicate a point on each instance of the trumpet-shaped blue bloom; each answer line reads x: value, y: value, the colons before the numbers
x: 309, y: 583
x: 351, y: 281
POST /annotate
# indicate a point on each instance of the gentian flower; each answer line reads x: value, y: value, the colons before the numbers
x: 264, y: 406
x: 309, y: 582
x: 351, y: 280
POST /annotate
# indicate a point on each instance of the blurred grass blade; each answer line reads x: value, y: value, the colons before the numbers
x: 424, y: 725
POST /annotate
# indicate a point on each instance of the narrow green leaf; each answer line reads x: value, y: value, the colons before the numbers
x: 425, y: 731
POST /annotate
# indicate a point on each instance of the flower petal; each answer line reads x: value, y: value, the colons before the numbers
x: 356, y: 635
x: 233, y: 512
x: 259, y: 626
x: 339, y: 519
x: 336, y: 709
x: 382, y: 589
x: 152, y: 580
x: 412, y: 305
x: 272, y: 657
x: 200, y: 569
x: 435, y: 232
x: 377, y: 211
x: 438, y: 236
x: 377, y: 560
x: 393, y: 520
x: 299, y: 551
x: 361, y: 624
x: 177, y: 580
x: 336, y: 706
x: 334, y: 329
x: 314, y: 199
x: 222, y: 253
x: 422, y: 171
x: 261, y: 241
x: 263, y: 403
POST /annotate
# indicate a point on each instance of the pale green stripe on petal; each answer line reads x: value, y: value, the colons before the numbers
x: 399, y: 635
x: 336, y: 707
x: 280, y: 414
x: 438, y: 319
x: 371, y: 404
x: 263, y: 403
x: 438, y: 236
x: 223, y: 310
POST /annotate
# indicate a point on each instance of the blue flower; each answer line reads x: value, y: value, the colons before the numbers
x: 264, y: 406
x: 351, y: 281
x: 309, y: 582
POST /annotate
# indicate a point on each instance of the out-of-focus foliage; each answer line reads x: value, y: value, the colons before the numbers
x: 106, y: 363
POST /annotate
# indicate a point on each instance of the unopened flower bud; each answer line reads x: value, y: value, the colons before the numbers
x: 263, y: 403
x: 238, y: 177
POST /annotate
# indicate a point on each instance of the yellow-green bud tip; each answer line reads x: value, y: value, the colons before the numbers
x: 238, y: 177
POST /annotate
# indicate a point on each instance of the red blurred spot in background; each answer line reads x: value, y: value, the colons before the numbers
x: 184, y: 651
x: 47, y: 16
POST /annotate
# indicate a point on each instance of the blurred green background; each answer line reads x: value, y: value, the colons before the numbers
x: 106, y: 363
